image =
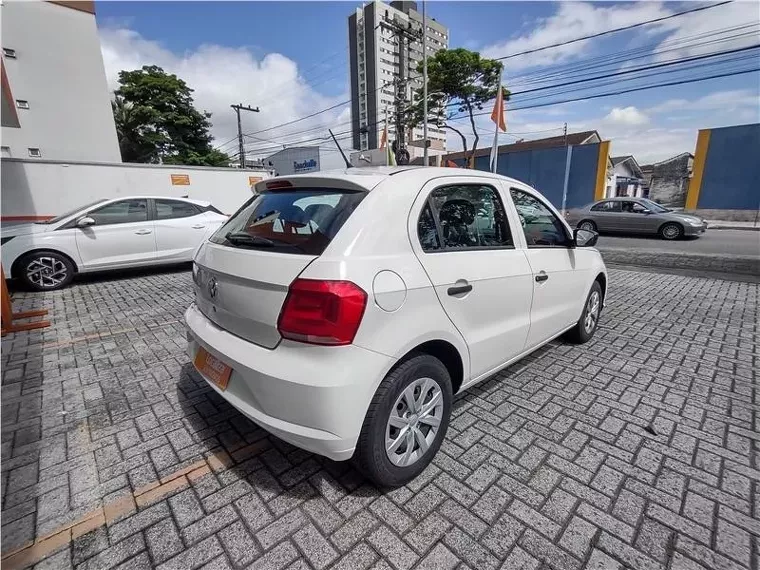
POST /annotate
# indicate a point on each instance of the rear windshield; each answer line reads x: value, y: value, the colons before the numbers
x: 292, y: 221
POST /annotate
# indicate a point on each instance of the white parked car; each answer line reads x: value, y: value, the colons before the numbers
x: 341, y: 311
x: 107, y: 234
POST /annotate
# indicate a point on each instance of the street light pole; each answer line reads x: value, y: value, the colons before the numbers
x: 424, y: 84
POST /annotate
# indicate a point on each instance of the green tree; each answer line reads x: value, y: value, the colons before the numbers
x: 157, y: 122
x: 459, y: 80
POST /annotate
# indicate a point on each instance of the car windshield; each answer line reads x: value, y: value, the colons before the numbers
x: 72, y: 212
x: 654, y: 206
x: 302, y: 220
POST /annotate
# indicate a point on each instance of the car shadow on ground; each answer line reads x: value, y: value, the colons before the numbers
x: 17, y: 286
x: 651, y: 237
x: 277, y: 467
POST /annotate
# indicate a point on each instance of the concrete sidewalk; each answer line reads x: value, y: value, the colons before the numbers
x: 732, y: 225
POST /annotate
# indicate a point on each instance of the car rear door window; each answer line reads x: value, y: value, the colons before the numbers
x: 463, y: 216
x: 609, y: 206
x: 121, y: 212
x: 168, y: 209
x: 542, y: 228
x: 291, y: 221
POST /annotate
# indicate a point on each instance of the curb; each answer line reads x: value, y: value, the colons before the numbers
x: 722, y: 227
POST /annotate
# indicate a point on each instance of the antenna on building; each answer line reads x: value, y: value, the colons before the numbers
x: 340, y: 150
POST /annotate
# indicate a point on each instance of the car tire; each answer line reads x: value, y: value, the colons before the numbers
x: 586, y: 326
x: 671, y: 231
x: 403, y: 386
x: 587, y: 225
x: 45, y: 270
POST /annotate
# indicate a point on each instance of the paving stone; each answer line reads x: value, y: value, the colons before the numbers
x: 315, y: 547
x: 239, y: 544
x: 163, y: 540
x: 546, y: 465
x: 186, y: 508
x: 392, y: 548
x: 209, y: 525
x: 358, y: 558
x: 195, y: 556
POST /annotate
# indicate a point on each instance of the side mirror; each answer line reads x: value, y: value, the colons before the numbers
x: 585, y: 238
x: 85, y: 222
x: 646, y: 211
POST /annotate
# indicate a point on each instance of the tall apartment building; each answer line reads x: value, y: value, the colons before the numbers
x: 378, y: 58
x: 55, y: 100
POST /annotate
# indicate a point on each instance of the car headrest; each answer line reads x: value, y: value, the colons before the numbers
x: 457, y: 211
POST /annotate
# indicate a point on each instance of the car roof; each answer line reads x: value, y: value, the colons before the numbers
x: 368, y: 178
x: 191, y: 200
x: 619, y: 199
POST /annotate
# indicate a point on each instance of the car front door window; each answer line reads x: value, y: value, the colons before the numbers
x: 542, y: 228
x: 121, y: 212
x: 466, y: 216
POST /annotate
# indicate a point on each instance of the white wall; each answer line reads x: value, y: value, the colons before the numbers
x: 59, y: 70
x: 32, y: 188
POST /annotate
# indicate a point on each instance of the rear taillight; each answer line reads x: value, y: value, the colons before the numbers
x: 322, y: 312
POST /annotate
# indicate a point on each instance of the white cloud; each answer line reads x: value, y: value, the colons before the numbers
x: 685, y: 35
x: 572, y: 20
x: 733, y: 100
x: 626, y: 116
x: 691, y: 33
x: 221, y: 76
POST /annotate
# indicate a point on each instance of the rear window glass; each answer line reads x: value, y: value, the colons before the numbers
x: 293, y: 221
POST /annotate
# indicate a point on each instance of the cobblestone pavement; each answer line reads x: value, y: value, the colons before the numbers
x: 638, y: 450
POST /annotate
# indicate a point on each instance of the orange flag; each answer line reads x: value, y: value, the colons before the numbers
x: 384, y: 137
x: 497, y: 115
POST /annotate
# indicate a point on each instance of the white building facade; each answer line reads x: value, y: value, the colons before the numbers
x: 55, y: 99
x: 378, y: 58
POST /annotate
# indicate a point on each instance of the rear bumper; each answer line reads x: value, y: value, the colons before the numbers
x: 313, y: 397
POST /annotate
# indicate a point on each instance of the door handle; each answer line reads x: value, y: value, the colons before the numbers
x: 143, y: 232
x: 541, y: 277
x: 459, y: 289
x: 198, y: 226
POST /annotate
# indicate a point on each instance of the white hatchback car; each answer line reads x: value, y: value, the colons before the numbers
x: 341, y: 311
x: 107, y: 234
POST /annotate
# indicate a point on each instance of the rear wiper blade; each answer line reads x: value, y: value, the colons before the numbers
x: 242, y: 238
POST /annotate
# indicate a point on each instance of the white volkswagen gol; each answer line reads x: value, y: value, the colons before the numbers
x: 107, y: 234
x: 341, y: 311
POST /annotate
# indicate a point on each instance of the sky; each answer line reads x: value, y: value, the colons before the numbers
x: 290, y: 60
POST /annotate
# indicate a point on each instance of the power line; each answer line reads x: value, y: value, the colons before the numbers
x: 615, y: 30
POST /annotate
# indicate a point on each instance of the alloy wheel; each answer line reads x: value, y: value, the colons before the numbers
x: 671, y: 231
x: 592, y: 312
x: 414, y: 422
x: 46, y: 272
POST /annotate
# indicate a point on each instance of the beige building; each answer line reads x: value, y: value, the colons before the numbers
x: 378, y: 57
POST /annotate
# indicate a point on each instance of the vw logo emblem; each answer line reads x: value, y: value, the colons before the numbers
x: 213, y: 288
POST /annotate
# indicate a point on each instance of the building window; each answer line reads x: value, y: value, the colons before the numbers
x: 5, y: 151
x: 35, y: 152
x: 22, y: 103
x: 9, y: 53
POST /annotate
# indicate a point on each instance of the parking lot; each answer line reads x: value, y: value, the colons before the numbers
x: 638, y: 450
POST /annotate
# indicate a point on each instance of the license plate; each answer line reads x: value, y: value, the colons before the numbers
x: 213, y: 368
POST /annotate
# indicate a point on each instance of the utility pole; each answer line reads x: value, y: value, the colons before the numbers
x: 241, y: 149
x: 565, y: 136
x: 404, y: 34
x: 424, y: 84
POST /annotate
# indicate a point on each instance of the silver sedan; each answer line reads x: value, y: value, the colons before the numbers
x: 636, y: 216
